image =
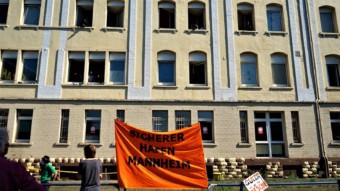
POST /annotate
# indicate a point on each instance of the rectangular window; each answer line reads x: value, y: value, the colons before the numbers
x: 327, y: 18
x: 117, y: 68
x: 274, y: 18
x: 76, y: 67
x: 296, y: 127
x: 121, y: 115
x: 31, y: 12
x: 30, y: 62
x: 3, y: 118
x: 166, y: 72
x: 160, y: 121
x: 84, y: 13
x: 115, y: 13
x: 245, y: 14
x: 64, y: 126
x: 97, y: 67
x: 182, y: 119
x: 24, y: 125
x: 244, y: 127
x: 279, y: 70
x: 197, y: 73
x: 93, y: 118
x: 196, y: 16
x: 3, y: 11
x: 335, y: 125
x: 249, y: 69
x: 166, y: 11
x: 9, y: 65
x: 269, y: 134
x: 333, y: 74
x: 205, y: 119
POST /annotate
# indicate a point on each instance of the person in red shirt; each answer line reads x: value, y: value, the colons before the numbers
x: 14, y: 176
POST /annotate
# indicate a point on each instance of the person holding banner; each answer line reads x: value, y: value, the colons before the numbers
x: 89, y: 170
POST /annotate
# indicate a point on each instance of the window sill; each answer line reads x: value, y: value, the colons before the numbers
x: 32, y: 27
x: 17, y: 144
x: 159, y: 86
x: 196, y: 31
x: 165, y: 30
x: 276, y: 33
x: 82, y: 144
x: 119, y: 29
x: 12, y: 83
x: 285, y: 88
x: 3, y: 26
x: 244, y: 145
x: 244, y: 32
x: 77, y: 84
x: 61, y: 144
x: 79, y: 28
x: 333, y: 88
x: 202, y: 87
x: 209, y: 144
x: 334, y: 144
x: 329, y: 35
x: 244, y: 87
x: 297, y: 145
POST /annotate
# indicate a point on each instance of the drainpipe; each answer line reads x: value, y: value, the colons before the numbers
x: 323, y: 158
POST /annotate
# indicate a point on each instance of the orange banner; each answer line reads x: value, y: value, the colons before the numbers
x: 172, y: 160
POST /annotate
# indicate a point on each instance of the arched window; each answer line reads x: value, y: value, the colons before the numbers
x: 166, y: 11
x: 245, y: 15
x: 115, y: 13
x: 333, y: 70
x: 166, y: 68
x: 279, y: 69
x: 249, y: 69
x: 274, y: 17
x: 196, y: 16
x: 197, y: 68
x: 327, y: 19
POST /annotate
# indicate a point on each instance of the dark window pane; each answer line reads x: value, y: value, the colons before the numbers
x: 333, y: 74
x: 196, y: 16
x: 260, y: 115
x: 96, y: 71
x: 260, y: 131
x: 115, y: 16
x: 3, y: 13
x: 166, y: 72
x: 166, y: 18
x: 197, y: 73
x: 276, y: 131
x: 30, y: 69
x: 32, y: 14
x: 84, y: 15
x: 8, y: 68
x: 206, y: 130
x: 76, y: 70
x: 335, y: 115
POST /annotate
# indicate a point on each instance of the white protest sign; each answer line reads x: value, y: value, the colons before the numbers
x: 255, y: 182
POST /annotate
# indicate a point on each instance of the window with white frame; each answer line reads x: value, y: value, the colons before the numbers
x: 30, y: 66
x: 166, y: 11
x: 333, y: 70
x: 244, y: 127
x: 3, y: 118
x: 279, y: 69
x: 245, y: 15
x: 115, y: 13
x: 117, y: 68
x: 84, y: 13
x: 93, y: 119
x: 96, y: 67
x: 249, y: 69
x: 206, y: 120
x: 327, y: 19
x: 24, y: 125
x: 64, y: 125
x: 335, y: 125
x: 274, y: 17
x: 269, y: 134
x: 196, y: 16
x: 160, y: 121
x: 120, y: 114
x: 31, y: 12
x: 3, y: 11
x: 197, y: 68
x: 182, y: 119
x: 76, y: 66
x: 166, y: 68
x: 9, y: 65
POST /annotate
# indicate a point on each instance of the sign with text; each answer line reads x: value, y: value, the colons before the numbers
x: 255, y: 182
x: 172, y: 160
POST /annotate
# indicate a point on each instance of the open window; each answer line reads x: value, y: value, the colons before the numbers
x: 115, y: 13
x: 9, y: 65
x: 166, y: 11
x: 84, y: 13
x: 274, y: 17
x: 31, y: 12
x: 76, y: 67
x: 328, y: 19
x: 245, y: 14
x: 333, y: 70
x: 96, y: 67
x: 197, y: 68
x: 3, y: 11
x: 249, y: 69
x: 279, y: 69
x: 196, y: 16
x: 117, y: 68
x: 30, y: 66
x: 166, y: 68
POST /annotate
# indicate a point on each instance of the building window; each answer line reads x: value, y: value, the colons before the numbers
x: 30, y: 62
x: 24, y: 125
x: 327, y: 19
x: 115, y: 13
x: 197, y: 68
x: 244, y: 127
x: 335, y: 125
x: 93, y: 118
x: 166, y: 68
x: 296, y: 127
x: 117, y: 68
x: 96, y: 67
x: 64, y: 126
x: 9, y: 65
x: 269, y: 134
x: 249, y: 69
x: 205, y: 118
x: 196, y: 16
x: 160, y: 121
x: 182, y: 119
x: 333, y: 70
x: 76, y: 67
x: 166, y: 11
x: 31, y: 12
x: 84, y: 13
x: 274, y: 18
x: 121, y: 114
x: 245, y: 15
x: 3, y: 11
x: 279, y: 69
x: 3, y: 118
